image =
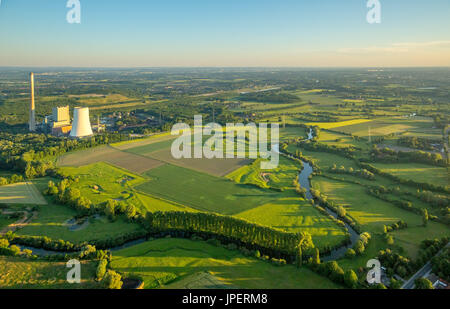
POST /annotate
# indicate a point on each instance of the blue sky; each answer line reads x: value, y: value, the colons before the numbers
x: 224, y: 33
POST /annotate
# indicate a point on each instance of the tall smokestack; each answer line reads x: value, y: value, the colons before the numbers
x: 32, y: 121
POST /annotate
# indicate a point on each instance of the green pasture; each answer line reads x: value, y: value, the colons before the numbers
x: 372, y: 213
x: 293, y: 214
x: 52, y: 218
x: 101, y: 181
x: 417, y: 172
x: 281, y: 177
x: 202, y: 191
x: 164, y: 261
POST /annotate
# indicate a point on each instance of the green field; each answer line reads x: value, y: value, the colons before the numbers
x: 203, y: 192
x: 21, y: 193
x: 52, y: 218
x: 417, y: 172
x: 163, y: 261
x: 370, y: 212
x: 153, y: 204
x: 293, y: 214
x: 281, y: 177
x: 112, y: 182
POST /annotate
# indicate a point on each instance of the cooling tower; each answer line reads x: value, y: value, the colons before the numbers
x: 81, y: 126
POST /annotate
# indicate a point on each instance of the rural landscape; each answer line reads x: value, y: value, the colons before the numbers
x: 363, y: 174
x: 224, y: 153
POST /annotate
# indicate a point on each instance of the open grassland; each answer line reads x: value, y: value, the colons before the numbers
x: 21, y: 193
x: 417, y: 172
x: 340, y: 140
x: 410, y: 238
x: 370, y: 212
x: 204, y: 192
x: 293, y: 214
x: 20, y: 273
x: 153, y: 204
x: 322, y: 159
x: 163, y: 261
x: 100, y: 182
x: 129, y: 161
x: 51, y: 221
x: 281, y: 177
x: 293, y: 132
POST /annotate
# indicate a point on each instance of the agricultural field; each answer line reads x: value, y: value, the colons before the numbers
x: 125, y: 160
x: 417, y: 172
x: 21, y: 193
x: 202, y: 191
x: 163, y: 262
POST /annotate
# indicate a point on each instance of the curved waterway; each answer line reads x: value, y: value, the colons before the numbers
x: 303, y: 179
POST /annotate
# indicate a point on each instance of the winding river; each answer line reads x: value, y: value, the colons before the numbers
x: 304, y: 181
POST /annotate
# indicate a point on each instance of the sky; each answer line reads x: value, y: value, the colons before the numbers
x: 222, y: 33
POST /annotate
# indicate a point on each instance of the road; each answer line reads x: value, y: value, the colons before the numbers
x: 424, y: 271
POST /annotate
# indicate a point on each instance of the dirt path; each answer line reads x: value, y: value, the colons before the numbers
x: 21, y: 223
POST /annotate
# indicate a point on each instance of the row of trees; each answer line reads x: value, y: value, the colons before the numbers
x: 363, y: 173
x: 10, y: 180
x: 391, y: 156
x: 268, y: 241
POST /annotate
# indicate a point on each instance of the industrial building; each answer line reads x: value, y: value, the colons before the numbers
x: 58, y: 123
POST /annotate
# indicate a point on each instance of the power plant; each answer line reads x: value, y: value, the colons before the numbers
x: 58, y: 123
x: 32, y: 121
x: 81, y: 126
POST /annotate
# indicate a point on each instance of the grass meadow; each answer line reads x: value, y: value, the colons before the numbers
x: 417, y: 172
x: 293, y: 214
x: 163, y: 262
x: 202, y: 191
x: 52, y: 218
